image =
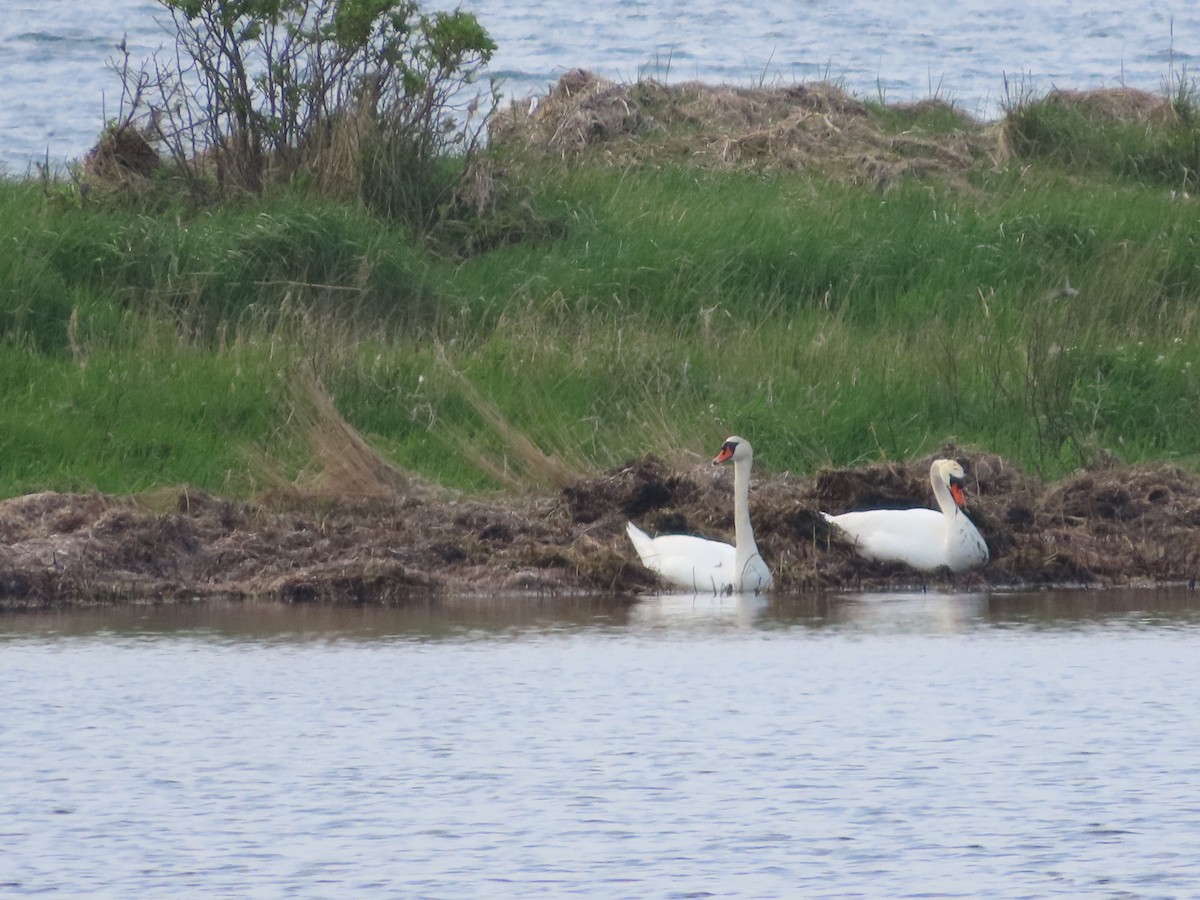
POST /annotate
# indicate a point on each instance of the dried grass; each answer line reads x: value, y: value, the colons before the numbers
x: 1118, y: 526
x: 122, y: 154
x: 1117, y: 104
x: 336, y: 163
x: 345, y: 465
x: 816, y: 127
x: 522, y: 464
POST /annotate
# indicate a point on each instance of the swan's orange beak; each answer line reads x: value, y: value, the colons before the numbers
x: 956, y: 491
x: 726, y: 453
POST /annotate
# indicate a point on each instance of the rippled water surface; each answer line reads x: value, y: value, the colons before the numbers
x: 56, y: 90
x: 890, y: 745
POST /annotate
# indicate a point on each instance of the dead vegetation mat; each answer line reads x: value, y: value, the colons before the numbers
x: 817, y: 127
x: 1118, y: 526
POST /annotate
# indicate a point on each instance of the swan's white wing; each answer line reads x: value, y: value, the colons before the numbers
x: 916, y: 537
x: 899, y: 522
x: 692, y: 563
x: 966, y: 547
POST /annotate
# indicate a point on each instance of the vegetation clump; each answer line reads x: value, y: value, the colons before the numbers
x: 1133, y: 527
x: 366, y: 98
x: 804, y: 127
x: 1122, y: 132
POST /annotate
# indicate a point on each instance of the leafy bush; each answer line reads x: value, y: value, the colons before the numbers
x: 262, y: 90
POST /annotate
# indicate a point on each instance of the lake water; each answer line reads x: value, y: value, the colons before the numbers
x: 848, y: 746
x: 56, y: 89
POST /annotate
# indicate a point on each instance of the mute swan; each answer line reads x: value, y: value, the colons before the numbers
x: 698, y: 564
x: 923, y: 538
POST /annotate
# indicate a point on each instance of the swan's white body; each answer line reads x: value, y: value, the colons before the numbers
x: 703, y: 566
x: 925, y: 539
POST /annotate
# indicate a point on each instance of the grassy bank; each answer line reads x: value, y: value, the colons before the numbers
x: 1039, y: 302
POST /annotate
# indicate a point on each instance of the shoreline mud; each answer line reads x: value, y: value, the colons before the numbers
x: 1119, y: 526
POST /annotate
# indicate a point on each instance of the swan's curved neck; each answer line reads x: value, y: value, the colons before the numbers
x: 941, y: 493
x: 743, y: 533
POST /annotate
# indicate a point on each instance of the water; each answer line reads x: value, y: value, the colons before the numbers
x: 891, y: 745
x: 56, y: 90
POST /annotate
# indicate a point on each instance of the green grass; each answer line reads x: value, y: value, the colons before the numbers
x: 662, y: 308
x: 931, y: 117
x: 236, y: 265
x: 128, y: 422
x: 1084, y: 137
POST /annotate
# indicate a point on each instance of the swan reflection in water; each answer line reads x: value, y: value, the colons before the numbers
x: 690, y: 609
x: 911, y: 612
x: 916, y: 612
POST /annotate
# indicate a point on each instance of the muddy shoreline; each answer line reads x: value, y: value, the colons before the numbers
x: 1118, y: 526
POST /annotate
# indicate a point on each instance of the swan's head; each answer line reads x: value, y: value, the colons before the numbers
x: 953, y: 476
x: 734, y: 448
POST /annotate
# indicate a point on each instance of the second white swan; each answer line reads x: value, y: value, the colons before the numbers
x: 698, y: 564
x: 925, y: 539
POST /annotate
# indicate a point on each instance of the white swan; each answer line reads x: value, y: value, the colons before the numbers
x: 923, y: 538
x: 701, y: 565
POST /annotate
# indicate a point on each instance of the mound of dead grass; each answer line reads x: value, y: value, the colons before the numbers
x: 817, y: 127
x: 1115, y: 104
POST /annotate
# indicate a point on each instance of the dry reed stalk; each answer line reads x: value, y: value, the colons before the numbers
x: 337, y: 162
x: 536, y: 466
x: 346, y: 464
